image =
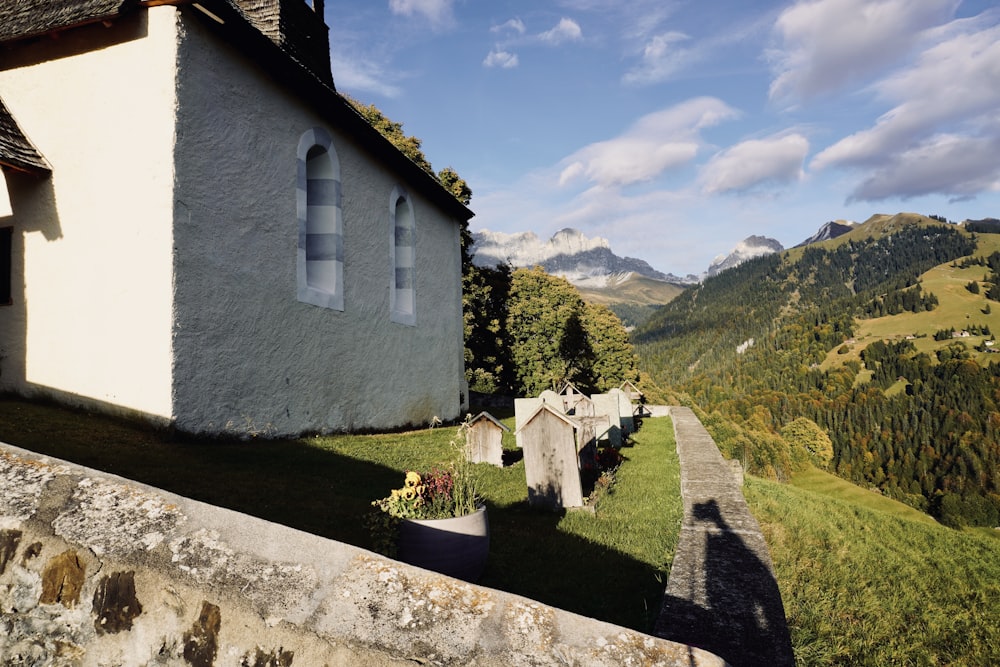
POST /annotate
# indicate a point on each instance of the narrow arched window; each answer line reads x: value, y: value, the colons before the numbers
x: 402, y: 249
x: 320, y: 258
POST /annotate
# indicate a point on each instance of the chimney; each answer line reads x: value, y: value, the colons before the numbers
x: 297, y: 28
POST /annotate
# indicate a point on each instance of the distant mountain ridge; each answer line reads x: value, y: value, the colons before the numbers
x: 590, y: 263
x: 581, y: 260
x: 748, y: 248
x: 830, y: 230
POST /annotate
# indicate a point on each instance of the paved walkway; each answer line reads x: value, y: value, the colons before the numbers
x: 722, y: 595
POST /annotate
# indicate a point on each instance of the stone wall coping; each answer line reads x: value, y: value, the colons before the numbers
x: 204, y: 585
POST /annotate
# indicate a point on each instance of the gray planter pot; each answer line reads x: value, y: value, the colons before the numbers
x: 457, y: 547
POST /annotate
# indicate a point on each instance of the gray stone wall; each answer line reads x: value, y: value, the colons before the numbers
x: 99, y: 570
x: 722, y: 594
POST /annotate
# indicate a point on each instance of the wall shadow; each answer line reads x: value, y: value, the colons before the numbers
x: 319, y: 491
x: 33, y: 205
x: 742, y: 619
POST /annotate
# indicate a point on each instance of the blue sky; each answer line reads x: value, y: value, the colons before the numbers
x: 677, y: 128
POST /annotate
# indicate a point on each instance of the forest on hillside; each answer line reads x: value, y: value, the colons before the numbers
x: 745, y: 348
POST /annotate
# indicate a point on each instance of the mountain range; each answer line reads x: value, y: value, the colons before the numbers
x: 585, y: 262
x: 590, y: 264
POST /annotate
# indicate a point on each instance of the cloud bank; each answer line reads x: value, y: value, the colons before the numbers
x: 656, y: 142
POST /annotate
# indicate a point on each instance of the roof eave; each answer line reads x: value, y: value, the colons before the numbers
x: 324, y: 98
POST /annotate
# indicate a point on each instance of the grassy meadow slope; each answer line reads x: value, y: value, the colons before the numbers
x: 635, y: 289
x: 634, y: 299
x: 867, y: 581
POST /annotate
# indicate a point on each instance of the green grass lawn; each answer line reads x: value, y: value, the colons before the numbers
x: 821, y: 482
x: 611, y: 564
x: 865, y: 582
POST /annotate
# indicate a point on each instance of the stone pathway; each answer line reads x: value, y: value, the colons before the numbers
x: 722, y: 594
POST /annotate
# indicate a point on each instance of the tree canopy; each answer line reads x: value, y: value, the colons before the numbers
x: 525, y: 331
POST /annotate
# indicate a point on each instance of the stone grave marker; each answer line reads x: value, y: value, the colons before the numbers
x: 571, y: 396
x: 624, y: 412
x: 609, y: 405
x: 582, y: 407
x: 631, y: 391
x: 523, y: 408
x: 551, y: 462
x: 550, y: 397
x: 484, y: 440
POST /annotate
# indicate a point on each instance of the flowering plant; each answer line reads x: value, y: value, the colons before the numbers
x: 440, y: 493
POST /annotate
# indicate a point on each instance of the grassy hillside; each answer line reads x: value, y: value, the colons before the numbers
x: 634, y: 300
x: 866, y: 581
x: 636, y: 290
x: 958, y: 309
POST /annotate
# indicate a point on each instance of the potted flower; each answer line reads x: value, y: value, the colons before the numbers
x: 436, y: 520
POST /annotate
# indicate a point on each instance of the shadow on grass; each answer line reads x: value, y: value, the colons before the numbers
x: 323, y: 492
x: 530, y: 556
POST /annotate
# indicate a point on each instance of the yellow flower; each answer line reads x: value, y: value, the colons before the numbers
x: 409, y: 493
x: 412, y: 478
x: 420, y: 489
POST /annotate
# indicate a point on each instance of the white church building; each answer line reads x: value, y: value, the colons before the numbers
x: 196, y: 229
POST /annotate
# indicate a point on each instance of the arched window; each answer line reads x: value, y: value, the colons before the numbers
x: 402, y: 247
x: 320, y: 258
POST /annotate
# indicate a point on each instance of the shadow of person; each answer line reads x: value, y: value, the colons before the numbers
x: 736, y: 610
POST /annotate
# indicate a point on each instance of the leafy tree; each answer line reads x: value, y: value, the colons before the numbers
x: 455, y: 184
x: 540, y: 309
x: 555, y: 337
x: 615, y: 360
x: 393, y: 131
x: 488, y: 363
x: 804, y: 433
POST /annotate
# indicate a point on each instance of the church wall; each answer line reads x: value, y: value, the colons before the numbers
x: 90, y: 315
x: 251, y: 357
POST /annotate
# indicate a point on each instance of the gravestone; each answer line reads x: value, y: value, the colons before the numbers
x: 609, y: 406
x: 586, y: 441
x: 624, y: 412
x: 582, y: 407
x: 551, y: 462
x: 484, y: 440
x: 571, y: 396
x: 553, y: 399
x: 631, y: 391
x: 523, y: 408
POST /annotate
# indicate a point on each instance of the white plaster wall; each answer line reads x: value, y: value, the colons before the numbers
x: 92, y: 313
x: 250, y: 357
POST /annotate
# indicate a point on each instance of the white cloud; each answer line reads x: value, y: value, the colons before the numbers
x: 944, y: 104
x: 826, y: 44
x: 362, y: 77
x: 513, y: 25
x: 438, y: 12
x: 960, y: 166
x: 661, y: 58
x: 776, y: 159
x: 567, y: 30
x: 655, y: 143
x: 668, y: 54
x: 500, y: 58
